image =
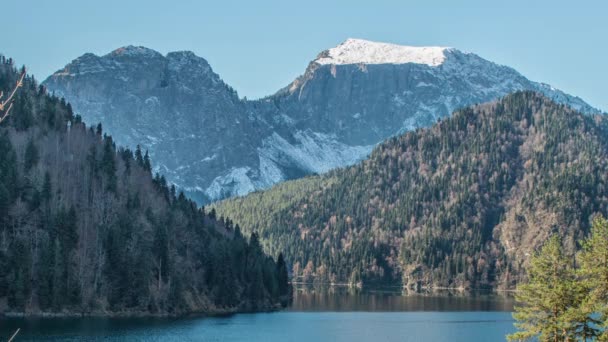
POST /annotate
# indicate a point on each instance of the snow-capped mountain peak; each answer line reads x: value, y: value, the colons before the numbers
x: 212, y: 144
x: 359, y: 51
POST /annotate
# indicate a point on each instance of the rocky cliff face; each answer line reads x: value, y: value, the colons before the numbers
x: 173, y: 105
x: 214, y: 145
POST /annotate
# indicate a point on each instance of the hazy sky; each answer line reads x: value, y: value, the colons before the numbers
x: 260, y: 46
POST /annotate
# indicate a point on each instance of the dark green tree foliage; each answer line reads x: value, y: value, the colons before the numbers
x: 31, y: 155
x: 283, y: 281
x: 85, y: 228
x: 108, y: 164
x: 24, y: 105
x: 547, y: 296
x: 565, y: 297
x: 146, y: 163
x: 458, y: 204
x: 8, y: 176
x: 47, y: 188
x: 139, y: 157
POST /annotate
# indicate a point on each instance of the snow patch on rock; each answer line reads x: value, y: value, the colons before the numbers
x: 313, y: 152
x: 359, y: 51
x: 234, y: 182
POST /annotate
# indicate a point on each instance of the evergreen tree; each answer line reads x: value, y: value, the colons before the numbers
x: 31, y: 155
x: 544, y: 301
x: 594, y: 276
x: 45, y: 278
x: 8, y: 174
x: 139, y: 157
x: 283, y: 276
x: 108, y: 165
x: 46, y: 187
x: 20, y: 285
x: 25, y: 119
x: 160, y: 250
x: 147, y: 164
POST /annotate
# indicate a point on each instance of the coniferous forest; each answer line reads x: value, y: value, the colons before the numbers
x: 461, y: 204
x: 86, y: 228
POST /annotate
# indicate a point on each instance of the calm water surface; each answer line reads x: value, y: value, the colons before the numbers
x: 316, y: 315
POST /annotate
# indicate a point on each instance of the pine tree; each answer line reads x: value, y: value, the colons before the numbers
x: 543, y: 302
x: 139, y: 157
x: 45, y: 277
x: 147, y: 165
x: 160, y: 252
x: 594, y: 274
x: 46, y: 192
x: 8, y: 174
x: 31, y: 155
x: 23, y: 106
x: 283, y: 277
x: 20, y: 285
x: 108, y: 165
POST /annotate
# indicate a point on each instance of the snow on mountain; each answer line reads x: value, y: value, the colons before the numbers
x: 359, y: 51
x: 312, y: 152
x: 213, y: 145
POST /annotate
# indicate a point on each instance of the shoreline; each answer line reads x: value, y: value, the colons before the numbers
x: 105, y: 314
x: 403, y: 288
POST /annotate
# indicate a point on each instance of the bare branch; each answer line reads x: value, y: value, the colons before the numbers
x: 6, y: 113
x: 15, y: 334
x: 9, y: 99
x: 17, y: 86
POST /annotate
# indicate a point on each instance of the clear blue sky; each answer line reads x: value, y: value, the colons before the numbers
x: 259, y: 46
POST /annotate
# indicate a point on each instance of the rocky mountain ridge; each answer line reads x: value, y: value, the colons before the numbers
x: 213, y: 144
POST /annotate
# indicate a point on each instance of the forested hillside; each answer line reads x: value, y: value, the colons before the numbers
x: 86, y: 228
x: 460, y: 204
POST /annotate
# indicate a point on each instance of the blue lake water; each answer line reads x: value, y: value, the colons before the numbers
x: 314, y: 316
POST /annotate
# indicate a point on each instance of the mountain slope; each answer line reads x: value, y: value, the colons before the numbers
x: 175, y: 106
x: 460, y: 204
x: 86, y: 229
x: 212, y: 144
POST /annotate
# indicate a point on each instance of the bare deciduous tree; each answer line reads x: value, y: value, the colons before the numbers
x: 7, y: 104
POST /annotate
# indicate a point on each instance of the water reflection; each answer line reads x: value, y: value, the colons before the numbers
x: 341, y: 299
x: 317, y: 314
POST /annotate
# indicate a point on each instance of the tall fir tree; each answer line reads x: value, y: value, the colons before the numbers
x: 594, y: 274
x: 544, y: 301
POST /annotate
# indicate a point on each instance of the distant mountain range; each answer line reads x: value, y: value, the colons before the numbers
x: 214, y: 145
x: 462, y: 204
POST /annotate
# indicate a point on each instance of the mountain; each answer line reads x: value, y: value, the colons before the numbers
x: 460, y: 204
x: 86, y: 229
x: 194, y: 125
x: 213, y: 145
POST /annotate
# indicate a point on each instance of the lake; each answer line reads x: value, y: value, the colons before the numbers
x: 335, y: 314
